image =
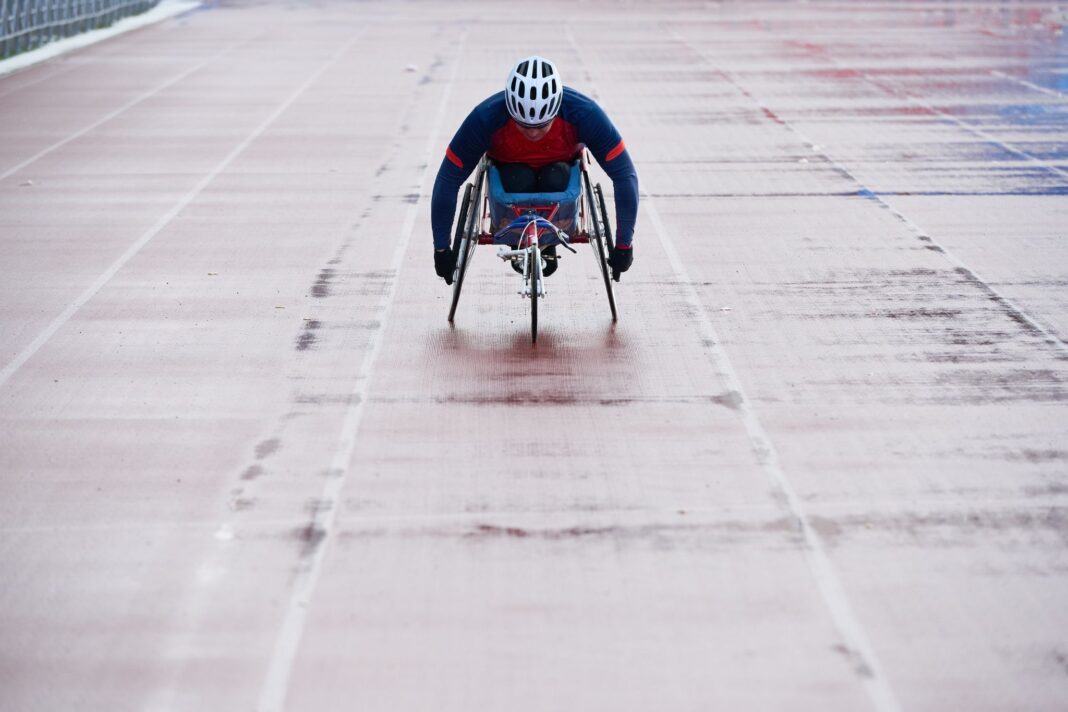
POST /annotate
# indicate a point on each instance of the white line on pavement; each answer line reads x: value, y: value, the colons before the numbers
x: 1030, y: 85
x: 276, y: 685
x: 133, y: 102
x: 837, y: 602
x: 828, y: 584
x: 974, y: 130
x: 156, y: 228
x: 1048, y: 335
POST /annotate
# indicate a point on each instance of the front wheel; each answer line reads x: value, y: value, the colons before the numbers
x: 535, y: 280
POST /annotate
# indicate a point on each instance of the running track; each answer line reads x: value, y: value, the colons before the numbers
x: 821, y: 462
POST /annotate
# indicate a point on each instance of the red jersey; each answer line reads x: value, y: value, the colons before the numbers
x: 508, y: 145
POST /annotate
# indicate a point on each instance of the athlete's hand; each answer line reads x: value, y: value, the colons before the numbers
x: 620, y: 259
x: 445, y: 264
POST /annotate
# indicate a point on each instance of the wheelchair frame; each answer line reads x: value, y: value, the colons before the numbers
x: 592, y: 227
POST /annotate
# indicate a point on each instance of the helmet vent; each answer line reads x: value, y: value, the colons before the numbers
x: 534, y: 91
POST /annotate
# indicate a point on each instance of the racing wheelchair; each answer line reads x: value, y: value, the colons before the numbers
x: 521, y: 225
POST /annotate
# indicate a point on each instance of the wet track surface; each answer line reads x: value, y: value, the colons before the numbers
x: 820, y: 463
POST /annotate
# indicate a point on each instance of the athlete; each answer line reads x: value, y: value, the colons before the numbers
x: 532, y: 131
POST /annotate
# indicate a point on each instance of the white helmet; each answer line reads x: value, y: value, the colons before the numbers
x: 534, y: 91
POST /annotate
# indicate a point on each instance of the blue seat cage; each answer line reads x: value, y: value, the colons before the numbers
x: 530, y: 208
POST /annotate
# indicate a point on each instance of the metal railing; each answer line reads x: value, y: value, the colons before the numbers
x: 28, y: 24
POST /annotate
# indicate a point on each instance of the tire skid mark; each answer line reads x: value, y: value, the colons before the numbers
x: 374, y: 283
x: 519, y: 398
x: 317, y: 533
x: 214, y: 566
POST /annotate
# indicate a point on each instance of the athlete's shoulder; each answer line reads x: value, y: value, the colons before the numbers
x: 578, y: 109
x: 491, y: 112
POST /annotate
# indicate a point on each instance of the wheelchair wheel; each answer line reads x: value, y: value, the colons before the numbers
x: 465, y: 207
x: 466, y: 237
x: 598, y: 230
x: 459, y: 249
x: 535, y: 278
x: 604, y: 217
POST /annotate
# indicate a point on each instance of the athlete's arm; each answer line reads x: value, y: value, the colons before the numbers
x: 461, y: 157
x: 601, y: 137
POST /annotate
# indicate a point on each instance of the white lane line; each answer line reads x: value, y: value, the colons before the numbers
x: 128, y: 105
x: 974, y: 130
x: 970, y: 274
x: 280, y: 669
x: 1017, y: 312
x: 1030, y: 85
x: 845, y: 620
x: 830, y: 587
x: 42, y: 338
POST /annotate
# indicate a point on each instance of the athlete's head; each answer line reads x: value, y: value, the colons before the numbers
x: 534, y: 92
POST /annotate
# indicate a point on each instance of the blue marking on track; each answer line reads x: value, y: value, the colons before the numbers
x: 1052, y: 116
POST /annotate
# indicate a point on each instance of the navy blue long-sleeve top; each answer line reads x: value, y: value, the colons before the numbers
x: 489, y: 129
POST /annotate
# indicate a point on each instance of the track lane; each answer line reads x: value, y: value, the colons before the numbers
x: 627, y: 542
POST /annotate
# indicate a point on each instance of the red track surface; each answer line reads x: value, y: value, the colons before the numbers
x: 820, y: 463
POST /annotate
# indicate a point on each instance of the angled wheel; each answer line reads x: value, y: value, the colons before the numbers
x: 459, y: 248
x: 598, y: 230
x: 466, y: 237
x: 605, y: 221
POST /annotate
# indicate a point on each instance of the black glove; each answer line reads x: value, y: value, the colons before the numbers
x: 445, y: 264
x: 620, y: 260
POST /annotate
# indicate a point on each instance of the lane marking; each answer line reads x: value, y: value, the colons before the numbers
x: 1031, y: 85
x: 974, y: 130
x: 1015, y: 311
x: 224, y: 535
x: 91, y: 291
x: 183, y: 644
x: 900, y: 92
x: 845, y: 620
x: 280, y: 669
x: 128, y: 105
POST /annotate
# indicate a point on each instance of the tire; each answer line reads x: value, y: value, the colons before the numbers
x: 597, y: 220
x: 465, y: 207
x: 535, y: 274
x: 604, y: 217
x: 466, y: 236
